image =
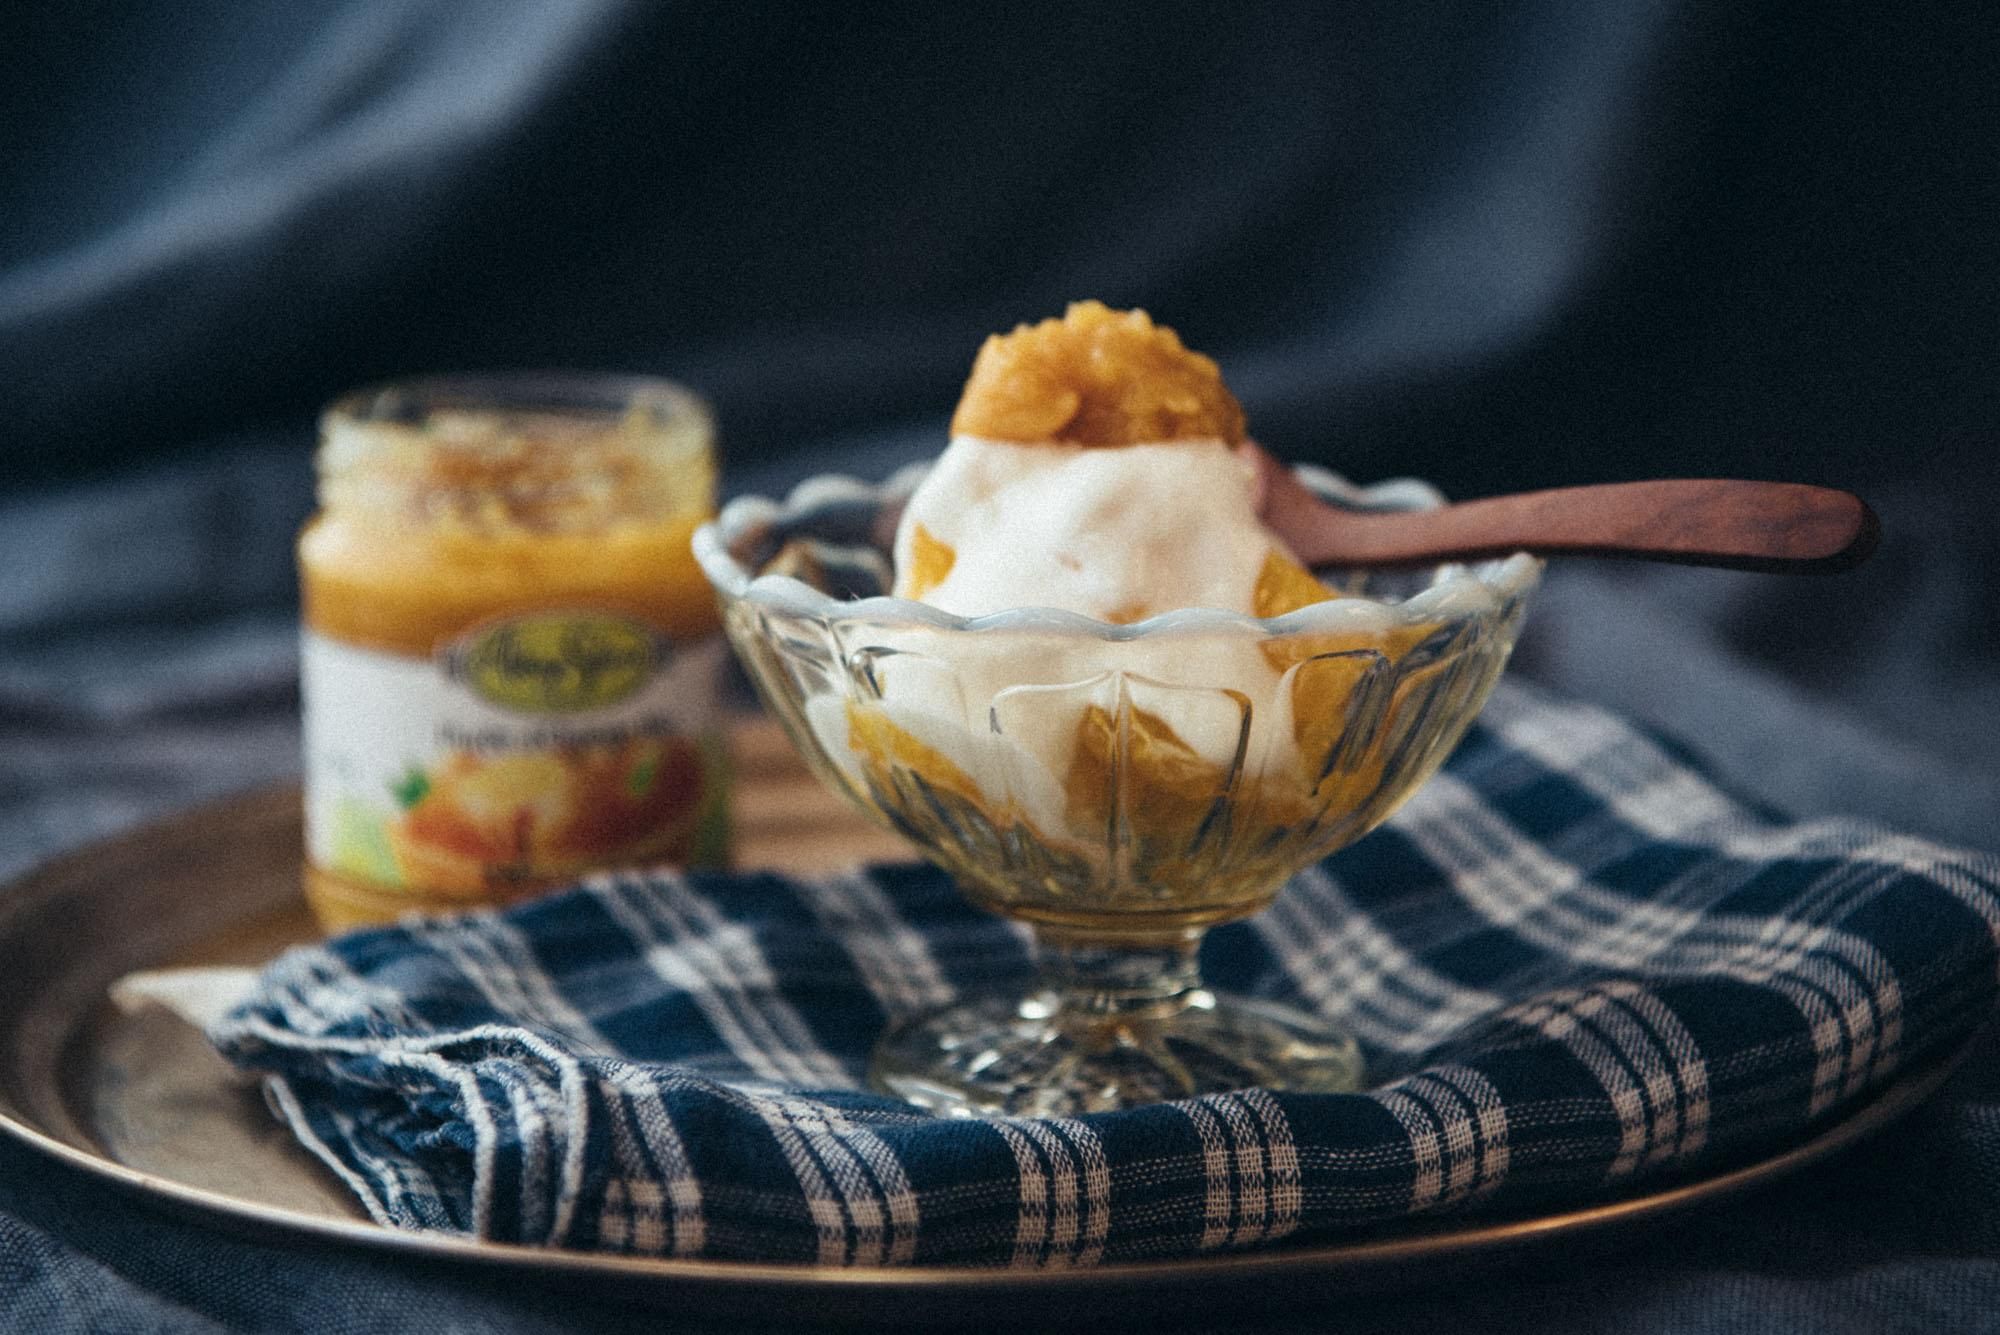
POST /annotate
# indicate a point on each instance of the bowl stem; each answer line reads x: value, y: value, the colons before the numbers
x: 1107, y: 1023
x: 1089, y: 980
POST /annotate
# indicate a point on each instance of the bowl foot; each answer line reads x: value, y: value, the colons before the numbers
x: 1035, y: 1057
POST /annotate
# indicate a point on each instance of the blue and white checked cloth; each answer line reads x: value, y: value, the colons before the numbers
x: 1574, y: 960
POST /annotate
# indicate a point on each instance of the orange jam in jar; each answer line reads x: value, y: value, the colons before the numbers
x: 510, y: 667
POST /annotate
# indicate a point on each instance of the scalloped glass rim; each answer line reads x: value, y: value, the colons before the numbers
x: 1466, y: 591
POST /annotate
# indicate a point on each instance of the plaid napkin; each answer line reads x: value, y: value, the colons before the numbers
x: 1574, y: 961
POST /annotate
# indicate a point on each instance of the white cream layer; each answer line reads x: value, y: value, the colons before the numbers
x: 1111, y: 533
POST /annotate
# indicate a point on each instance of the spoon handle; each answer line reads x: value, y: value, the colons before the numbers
x: 1772, y: 526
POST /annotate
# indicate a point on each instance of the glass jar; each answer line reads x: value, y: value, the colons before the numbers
x: 510, y: 666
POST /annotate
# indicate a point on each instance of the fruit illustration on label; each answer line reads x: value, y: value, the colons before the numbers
x: 521, y: 818
x: 360, y: 842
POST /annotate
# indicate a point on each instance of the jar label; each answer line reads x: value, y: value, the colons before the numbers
x: 557, y: 662
x: 524, y: 753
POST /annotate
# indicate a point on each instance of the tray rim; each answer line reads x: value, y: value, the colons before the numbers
x: 1369, y: 1262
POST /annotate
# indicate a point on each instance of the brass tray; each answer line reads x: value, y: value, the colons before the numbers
x: 141, y: 1101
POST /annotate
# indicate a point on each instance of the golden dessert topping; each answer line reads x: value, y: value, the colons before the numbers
x: 1283, y: 585
x: 1095, y: 377
x: 886, y: 749
x: 930, y: 561
x: 1170, y: 787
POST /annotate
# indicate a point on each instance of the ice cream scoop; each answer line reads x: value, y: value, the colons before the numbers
x: 1094, y: 468
x: 1114, y: 534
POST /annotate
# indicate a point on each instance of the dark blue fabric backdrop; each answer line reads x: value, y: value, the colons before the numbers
x: 1496, y: 245
x: 1499, y: 246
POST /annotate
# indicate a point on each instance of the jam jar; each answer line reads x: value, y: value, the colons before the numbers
x: 511, y: 666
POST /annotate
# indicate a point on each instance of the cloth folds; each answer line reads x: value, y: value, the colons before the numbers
x: 1575, y: 963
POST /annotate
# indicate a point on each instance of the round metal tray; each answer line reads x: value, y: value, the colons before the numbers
x: 141, y: 1101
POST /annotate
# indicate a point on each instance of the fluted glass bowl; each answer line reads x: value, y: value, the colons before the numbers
x: 1118, y: 788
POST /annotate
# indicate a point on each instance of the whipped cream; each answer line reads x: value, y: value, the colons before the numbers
x: 1114, y: 533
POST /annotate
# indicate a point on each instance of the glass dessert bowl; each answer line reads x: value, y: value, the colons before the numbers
x: 1118, y: 788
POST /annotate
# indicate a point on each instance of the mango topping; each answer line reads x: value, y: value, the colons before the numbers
x: 1095, y: 377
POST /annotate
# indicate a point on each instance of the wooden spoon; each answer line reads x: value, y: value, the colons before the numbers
x: 1772, y: 526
